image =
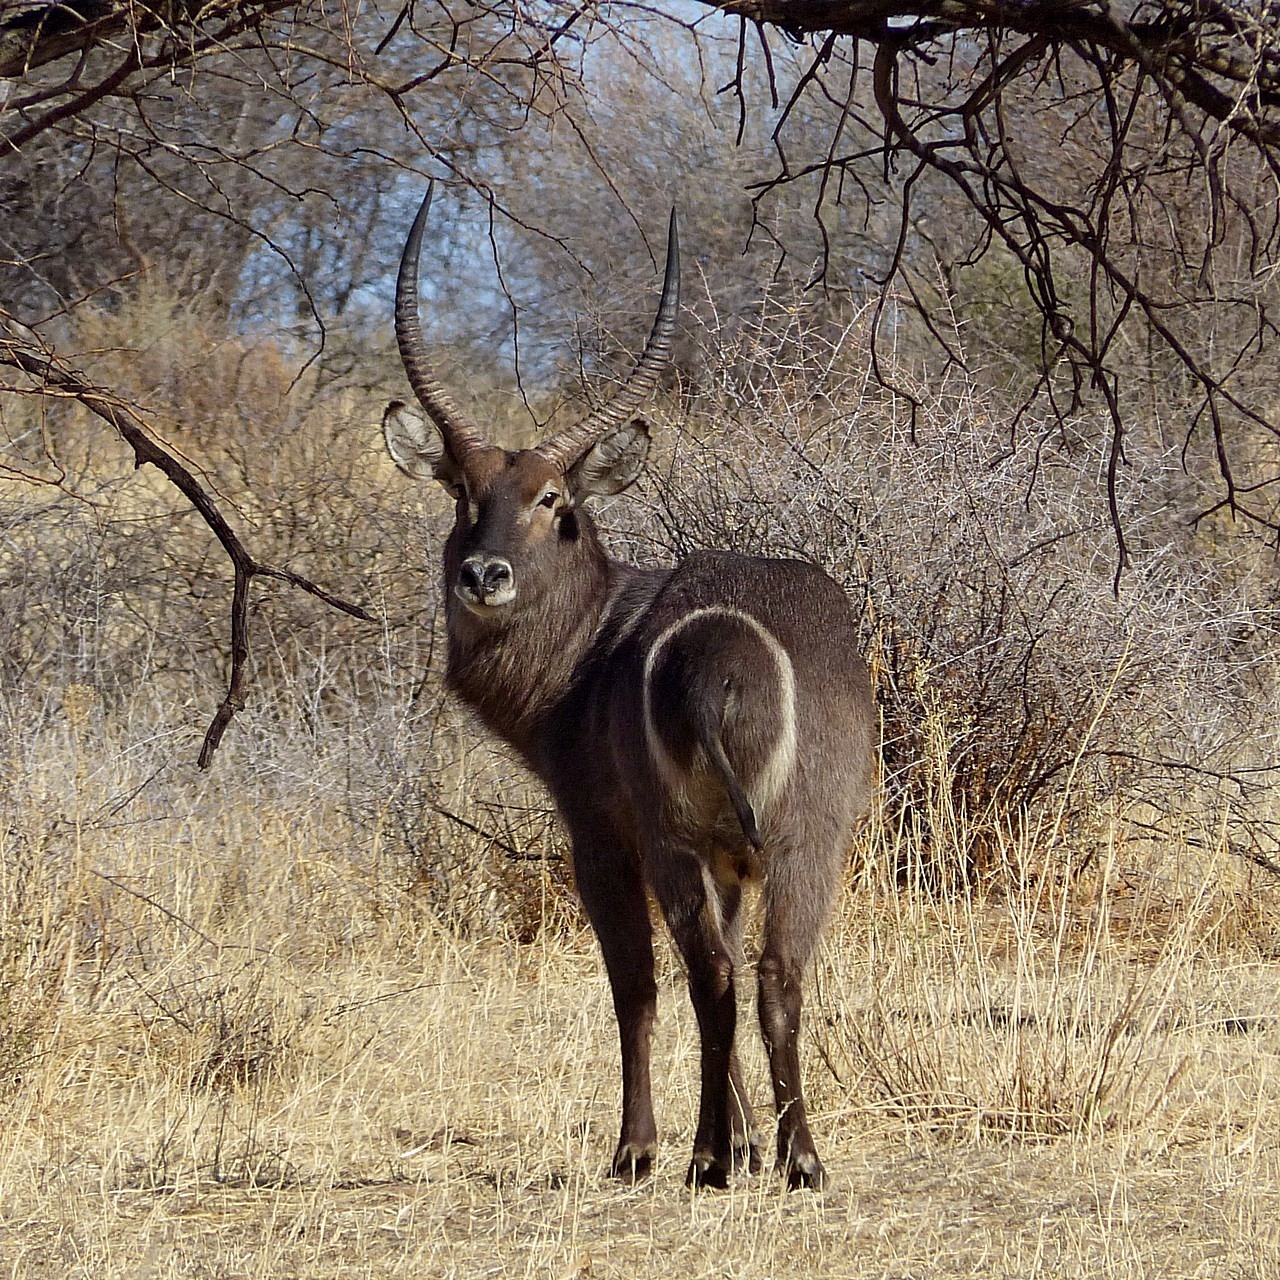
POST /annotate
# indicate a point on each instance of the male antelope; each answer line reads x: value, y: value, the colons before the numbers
x: 698, y: 727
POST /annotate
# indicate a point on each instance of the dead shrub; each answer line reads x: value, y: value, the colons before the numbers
x: 1016, y: 686
x: 1018, y: 678
x: 222, y: 1031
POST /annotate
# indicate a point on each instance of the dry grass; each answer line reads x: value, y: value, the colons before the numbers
x: 331, y: 1010
x: 255, y: 1055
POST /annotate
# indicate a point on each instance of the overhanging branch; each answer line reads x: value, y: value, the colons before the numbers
x: 51, y: 373
x: 1179, y: 95
x: 34, y: 33
x: 1193, y: 46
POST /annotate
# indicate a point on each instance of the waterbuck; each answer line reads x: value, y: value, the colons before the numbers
x: 698, y: 727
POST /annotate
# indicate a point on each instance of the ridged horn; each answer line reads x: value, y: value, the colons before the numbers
x: 566, y: 447
x: 460, y: 437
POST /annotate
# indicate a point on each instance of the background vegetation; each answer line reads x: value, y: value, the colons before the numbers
x: 329, y: 1007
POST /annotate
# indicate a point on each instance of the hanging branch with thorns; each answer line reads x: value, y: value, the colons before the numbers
x: 1122, y: 160
x: 92, y: 76
x: 52, y: 377
x: 1126, y: 159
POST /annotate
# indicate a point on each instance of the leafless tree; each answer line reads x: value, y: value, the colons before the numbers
x: 1123, y: 157
x: 1115, y: 166
x: 1071, y: 131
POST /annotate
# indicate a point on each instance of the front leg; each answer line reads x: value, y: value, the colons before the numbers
x: 613, y: 894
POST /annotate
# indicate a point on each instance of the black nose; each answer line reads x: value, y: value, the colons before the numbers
x: 484, y: 576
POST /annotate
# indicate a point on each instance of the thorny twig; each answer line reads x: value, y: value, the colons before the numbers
x: 54, y: 374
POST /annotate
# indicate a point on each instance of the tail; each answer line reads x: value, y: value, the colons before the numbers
x: 707, y: 683
x: 708, y: 730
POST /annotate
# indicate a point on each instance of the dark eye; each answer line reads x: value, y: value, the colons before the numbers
x: 549, y: 499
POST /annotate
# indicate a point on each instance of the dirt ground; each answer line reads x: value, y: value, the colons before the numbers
x: 436, y: 1107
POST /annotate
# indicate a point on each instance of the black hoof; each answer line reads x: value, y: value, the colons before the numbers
x: 804, y: 1172
x: 632, y: 1163
x: 707, y: 1172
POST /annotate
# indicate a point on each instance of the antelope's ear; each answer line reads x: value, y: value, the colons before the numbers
x: 612, y: 463
x: 417, y: 447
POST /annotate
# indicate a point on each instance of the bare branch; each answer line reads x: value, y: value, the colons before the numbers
x: 43, y: 365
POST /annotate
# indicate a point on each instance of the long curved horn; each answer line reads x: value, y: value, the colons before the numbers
x: 460, y: 437
x: 566, y: 447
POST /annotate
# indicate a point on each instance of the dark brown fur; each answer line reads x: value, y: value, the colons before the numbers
x: 699, y: 727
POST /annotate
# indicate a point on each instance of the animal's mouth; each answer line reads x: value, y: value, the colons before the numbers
x: 487, y: 605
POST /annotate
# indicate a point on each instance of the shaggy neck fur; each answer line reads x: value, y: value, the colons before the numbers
x: 513, y: 669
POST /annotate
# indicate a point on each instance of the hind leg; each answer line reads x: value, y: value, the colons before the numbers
x: 691, y: 905
x: 795, y: 909
x: 742, y: 1121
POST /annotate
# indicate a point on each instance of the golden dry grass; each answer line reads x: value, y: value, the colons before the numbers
x: 287, y: 1020
x: 237, y: 1047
